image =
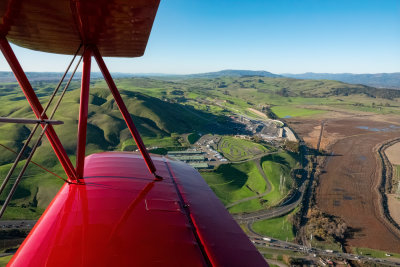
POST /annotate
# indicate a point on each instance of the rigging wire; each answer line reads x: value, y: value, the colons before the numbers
x: 14, y: 187
x: 61, y: 80
x: 22, y: 151
x: 37, y: 164
x: 65, y: 89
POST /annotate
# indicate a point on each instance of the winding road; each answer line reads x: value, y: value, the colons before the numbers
x: 284, y: 208
x: 267, y: 190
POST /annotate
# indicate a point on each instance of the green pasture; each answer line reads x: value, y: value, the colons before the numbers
x: 275, y: 253
x: 280, y: 228
x: 275, y: 166
x: 373, y: 252
x: 294, y: 111
x: 4, y: 260
x: 160, y: 141
x: 329, y: 243
x: 35, y: 191
x: 232, y: 182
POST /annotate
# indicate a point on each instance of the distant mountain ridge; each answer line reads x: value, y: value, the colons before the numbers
x: 379, y: 80
x: 8, y: 76
x: 234, y: 73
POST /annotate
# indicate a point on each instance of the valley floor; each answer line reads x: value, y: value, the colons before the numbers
x: 348, y: 185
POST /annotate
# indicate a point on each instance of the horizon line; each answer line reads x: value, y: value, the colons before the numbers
x: 187, y: 74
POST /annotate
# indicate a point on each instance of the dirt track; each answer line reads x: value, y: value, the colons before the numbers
x: 348, y: 189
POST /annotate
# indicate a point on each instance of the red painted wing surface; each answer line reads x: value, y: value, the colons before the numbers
x: 121, y: 216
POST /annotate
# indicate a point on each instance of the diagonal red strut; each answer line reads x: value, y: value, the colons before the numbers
x: 124, y: 110
x: 36, y: 107
x: 83, y: 112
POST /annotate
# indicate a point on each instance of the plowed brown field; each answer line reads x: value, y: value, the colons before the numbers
x: 349, y: 186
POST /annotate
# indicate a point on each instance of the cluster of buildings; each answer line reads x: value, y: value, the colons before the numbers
x: 206, y: 157
x: 193, y: 157
x: 215, y: 155
x: 265, y: 129
x: 198, y: 159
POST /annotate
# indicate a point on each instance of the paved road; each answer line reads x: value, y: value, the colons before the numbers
x: 17, y: 224
x: 284, y: 208
x: 315, y: 252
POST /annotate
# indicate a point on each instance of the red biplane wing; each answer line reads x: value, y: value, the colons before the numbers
x: 122, y: 217
x: 113, y: 211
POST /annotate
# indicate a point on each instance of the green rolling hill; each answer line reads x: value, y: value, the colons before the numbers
x: 165, y: 110
x: 160, y: 123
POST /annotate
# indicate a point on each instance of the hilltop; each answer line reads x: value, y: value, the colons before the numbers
x: 232, y: 73
x: 8, y: 77
x: 381, y: 80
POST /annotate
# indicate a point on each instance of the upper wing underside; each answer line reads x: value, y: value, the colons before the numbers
x: 119, y: 28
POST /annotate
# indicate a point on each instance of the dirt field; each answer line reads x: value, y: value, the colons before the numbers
x: 393, y: 153
x: 348, y: 188
x: 258, y: 113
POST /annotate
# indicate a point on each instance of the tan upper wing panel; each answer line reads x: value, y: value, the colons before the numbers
x: 119, y: 28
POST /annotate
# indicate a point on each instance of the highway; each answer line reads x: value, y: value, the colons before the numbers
x: 284, y: 208
x: 17, y: 224
x: 316, y: 253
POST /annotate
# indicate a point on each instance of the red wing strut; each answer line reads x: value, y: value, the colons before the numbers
x: 113, y: 211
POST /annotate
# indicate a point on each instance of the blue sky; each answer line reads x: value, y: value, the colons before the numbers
x: 280, y: 36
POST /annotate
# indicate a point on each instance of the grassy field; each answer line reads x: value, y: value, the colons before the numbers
x: 158, y: 141
x: 249, y: 206
x: 33, y: 194
x: 4, y: 260
x: 274, y: 253
x: 280, y: 228
x: 277, y: 168
x: 294, y: 111
x: 373, y: 253
x: 236, y: 149
x: 329, y: 243
x: 232, y: 182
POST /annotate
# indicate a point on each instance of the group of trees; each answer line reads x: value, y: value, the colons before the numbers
x: 267, y: 110
x: 292, y: 146
x: 283, y: 92
x: 368, y: 91
x: 343, y: 91
x: 325, y: 227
